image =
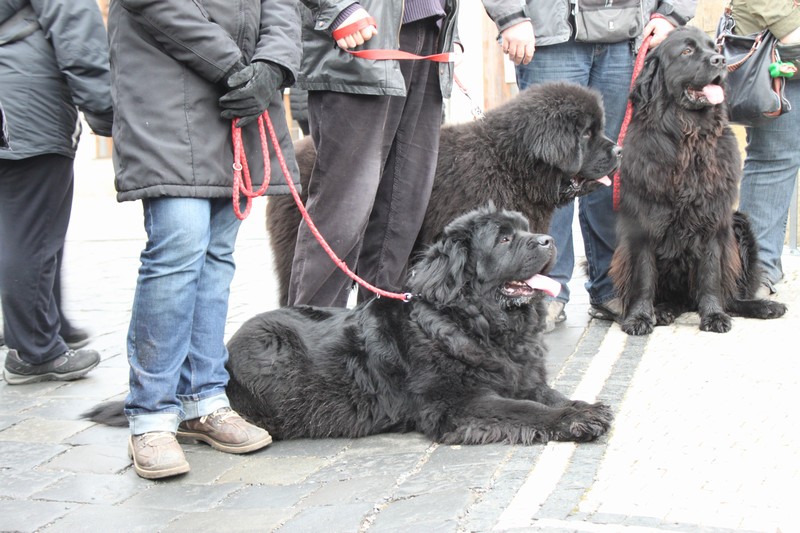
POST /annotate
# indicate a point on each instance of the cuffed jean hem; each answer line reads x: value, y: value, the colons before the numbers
x: 195, y: 407
x: 147, y: 423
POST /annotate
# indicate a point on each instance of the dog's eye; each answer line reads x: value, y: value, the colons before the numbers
x: 687, y: 51
x: 505, y: 239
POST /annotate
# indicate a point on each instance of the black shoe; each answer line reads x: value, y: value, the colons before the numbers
x: 66, y: 367
x: 611, y: 310
x: 76, y: 338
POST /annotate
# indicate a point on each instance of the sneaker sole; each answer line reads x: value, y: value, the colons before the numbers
x: 156, y: 474
x: 227, y: 448
x: 21, y: 379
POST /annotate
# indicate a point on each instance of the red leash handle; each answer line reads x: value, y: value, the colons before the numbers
x: 637, y: 68
x: 242, y: 184
x: 240, y: 166
x: 344, y: 31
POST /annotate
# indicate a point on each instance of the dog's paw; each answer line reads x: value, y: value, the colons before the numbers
x: 638, y: 324
x: 583, y: 421
x: 716, y: 323
x: 772, y: 309
x: 664, y: 316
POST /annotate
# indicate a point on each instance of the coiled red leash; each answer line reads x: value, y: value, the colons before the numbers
x: 637, y: 68
x: 241, y: 169
x: 242, y: 184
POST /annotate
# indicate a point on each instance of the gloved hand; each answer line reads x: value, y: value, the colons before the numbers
x: 100, y: 122
x: 252, y: 88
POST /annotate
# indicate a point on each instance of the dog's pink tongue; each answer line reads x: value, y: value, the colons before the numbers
x: 714, y: 94
x: 605, y: 180
x: 543, y: 283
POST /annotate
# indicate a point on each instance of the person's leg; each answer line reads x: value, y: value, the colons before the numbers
x: 74, y: 336
x: 611, y: 76
x: 163, y: 313
x: 571, y: 62
x: 346, y: 130
x: 770, y: 172
x: 201, y: 388
x: 411, y: 145
x: 35, y: 205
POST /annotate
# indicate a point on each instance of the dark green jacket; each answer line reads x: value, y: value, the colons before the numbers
x: 752, y: 16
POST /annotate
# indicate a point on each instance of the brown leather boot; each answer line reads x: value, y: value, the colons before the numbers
x: 157, y: 454
x: 225, y: 431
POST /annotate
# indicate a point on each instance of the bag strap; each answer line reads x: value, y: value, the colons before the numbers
x: 19, y: 25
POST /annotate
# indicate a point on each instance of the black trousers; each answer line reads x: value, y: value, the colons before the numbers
x: 376, y: 158
x: 35, y: 206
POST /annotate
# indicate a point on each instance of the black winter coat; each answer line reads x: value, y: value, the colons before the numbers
x: 168, y: 63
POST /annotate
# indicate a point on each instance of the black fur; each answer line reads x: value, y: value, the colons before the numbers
x: 680, y: 245
x: 462, y: 362
x: 538, y: 151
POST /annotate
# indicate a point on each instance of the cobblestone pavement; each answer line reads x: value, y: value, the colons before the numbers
x: 705, y: 436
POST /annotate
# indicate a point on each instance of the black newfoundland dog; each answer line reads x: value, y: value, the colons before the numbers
x: 461, y: 362
x: 681, y: 247
x: 536, y: 152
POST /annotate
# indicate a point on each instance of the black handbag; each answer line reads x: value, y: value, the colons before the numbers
x: 753, y: 95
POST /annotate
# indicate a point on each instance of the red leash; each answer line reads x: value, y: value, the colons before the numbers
x: 242, y: 183
x: 240, y: 165
x: 637, y: 68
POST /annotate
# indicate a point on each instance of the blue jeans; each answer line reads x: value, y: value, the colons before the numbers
x: 606, y: 68
x: 770, y: 171
x: 176, y: 348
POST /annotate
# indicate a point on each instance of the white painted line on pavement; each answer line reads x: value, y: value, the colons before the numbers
x: 554, y: 460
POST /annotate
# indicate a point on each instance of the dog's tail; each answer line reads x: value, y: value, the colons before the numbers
x: 108, y: 413
x: 750, y: 278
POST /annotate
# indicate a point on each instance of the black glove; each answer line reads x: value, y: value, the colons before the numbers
x: 100, y: 122
x: 252, y: 88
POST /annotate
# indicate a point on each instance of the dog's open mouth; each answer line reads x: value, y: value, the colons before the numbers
x: 711, y: 94
x: 577, y: 182
x: 539, y: 282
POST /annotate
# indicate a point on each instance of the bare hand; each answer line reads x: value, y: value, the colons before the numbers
x: 659, y: 28
x: 359, y: 37
x: 519, y: 42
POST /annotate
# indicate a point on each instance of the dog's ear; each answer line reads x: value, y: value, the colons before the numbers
x: 438, y: 277
x: 649, y: 83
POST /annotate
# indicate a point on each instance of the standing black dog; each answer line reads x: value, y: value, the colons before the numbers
x: 461, y: 362
x: 681, y: 247
x: 539, y: 150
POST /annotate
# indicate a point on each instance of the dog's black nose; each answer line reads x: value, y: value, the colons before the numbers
x: 718, y: 61
x: 544, y: 240
x: 617, y: 151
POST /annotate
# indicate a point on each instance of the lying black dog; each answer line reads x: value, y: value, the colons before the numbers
x: 680, y: 245
x: 461, y: 362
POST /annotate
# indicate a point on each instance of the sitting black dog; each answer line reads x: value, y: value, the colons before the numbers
x: 461, y: 362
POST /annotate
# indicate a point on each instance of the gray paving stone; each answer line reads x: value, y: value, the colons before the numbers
x: 444, y: 507
x: 91, y: 458
x: 330, y: 519
x: 389, y: 444
x: 308, y: 447
x: 270, y: 496
x: 94, y: 518
x: 278, y: 471
x: 27, y: 455
x: 24, y: 516
x: 35, y: 429
x: 103, y: 489
x: 353, y: 466
x: 223, y: 521
x: 21, y: 484
x: 176, y: 496
x: 370, y: 489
